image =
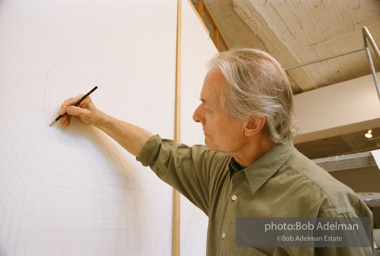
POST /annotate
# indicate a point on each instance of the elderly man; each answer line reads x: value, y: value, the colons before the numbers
x: 249, y: 166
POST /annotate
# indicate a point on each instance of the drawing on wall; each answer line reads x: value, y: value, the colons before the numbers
x: 73, y: 191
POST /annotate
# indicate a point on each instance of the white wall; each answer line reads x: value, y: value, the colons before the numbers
x: 197, y: 50
x: 73, y: 191
x: 337, y: 109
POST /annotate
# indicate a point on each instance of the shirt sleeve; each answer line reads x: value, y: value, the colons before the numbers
x: 187, y: 169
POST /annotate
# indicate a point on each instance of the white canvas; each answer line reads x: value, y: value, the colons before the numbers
x: 73, y: 191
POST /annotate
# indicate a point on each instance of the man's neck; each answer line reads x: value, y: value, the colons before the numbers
x: 253, y: 151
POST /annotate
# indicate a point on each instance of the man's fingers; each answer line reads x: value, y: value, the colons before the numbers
x: 75, y: 111
x: 63, y: 108
x: 78, y: 111
x: 68, y: 103
x: 65, y: 120
x: 84, y: 110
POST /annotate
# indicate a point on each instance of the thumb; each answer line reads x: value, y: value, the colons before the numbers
x: 77, y: 111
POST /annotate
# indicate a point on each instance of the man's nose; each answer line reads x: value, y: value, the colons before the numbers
x: 197, y: 115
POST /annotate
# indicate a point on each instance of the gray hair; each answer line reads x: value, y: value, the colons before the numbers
x: 256, y: 85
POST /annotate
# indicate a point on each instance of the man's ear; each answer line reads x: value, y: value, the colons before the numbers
x: 254, y: 125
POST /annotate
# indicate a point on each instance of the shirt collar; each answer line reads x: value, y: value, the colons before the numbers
x: 263, y: 169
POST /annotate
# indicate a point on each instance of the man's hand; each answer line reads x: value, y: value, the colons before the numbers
x: 130, y: 137
x: 86, y: 111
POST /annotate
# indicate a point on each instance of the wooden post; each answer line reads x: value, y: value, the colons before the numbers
x: 177, y: 134
x: 216, y: 38
x: 200, y: 8
x: 203, y: 10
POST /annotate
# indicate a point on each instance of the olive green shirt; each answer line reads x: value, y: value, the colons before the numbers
x: 282, y: 183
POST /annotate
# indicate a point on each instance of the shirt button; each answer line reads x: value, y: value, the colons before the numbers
x: 223, y: 235
x: 234, y: 197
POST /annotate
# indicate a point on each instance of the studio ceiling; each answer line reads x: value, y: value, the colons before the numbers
x: 297, y: 31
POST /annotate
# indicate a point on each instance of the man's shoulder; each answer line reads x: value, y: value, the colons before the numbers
x: 308, y: 170
x: 336, y: 198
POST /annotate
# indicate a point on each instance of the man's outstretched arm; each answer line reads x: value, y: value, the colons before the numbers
x: 130, y: 137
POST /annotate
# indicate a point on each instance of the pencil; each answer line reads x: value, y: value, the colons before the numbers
x: 76, y: 103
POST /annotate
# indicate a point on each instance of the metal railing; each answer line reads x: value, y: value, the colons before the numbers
x: 367, y: 37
